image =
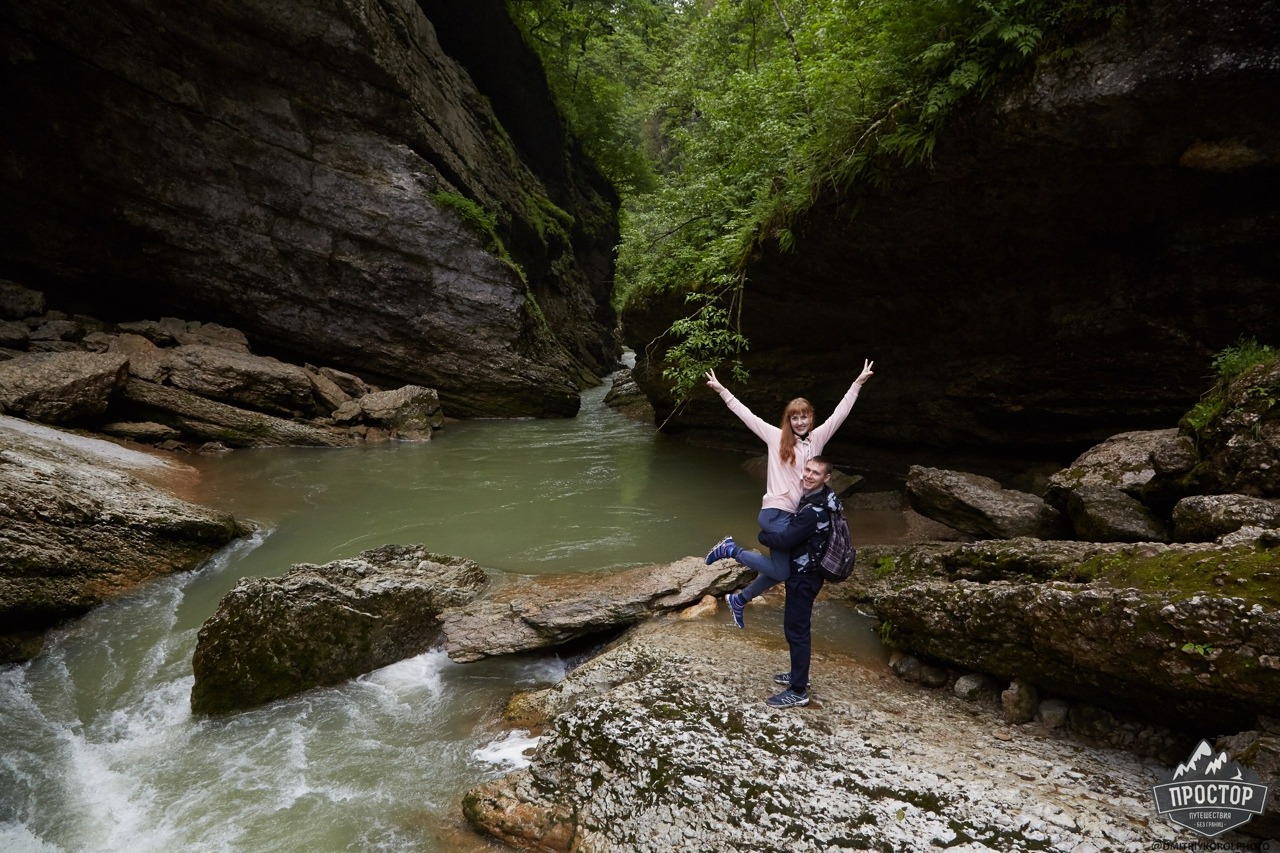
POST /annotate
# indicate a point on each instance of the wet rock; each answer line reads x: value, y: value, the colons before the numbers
x: 320, y: 625
x: 241, y: 379
x: 1106, y: 514
x: 209, y: 420
x: 1203, y: 518
x: 408, y: 412
x: 77, y: 526
x: 979, y: 505
x: 625, y: 396
x: 542, y: 611
x: 18, y: 302
x: 60, y: 387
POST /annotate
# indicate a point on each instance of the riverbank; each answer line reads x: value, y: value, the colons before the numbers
x: 664, y: 742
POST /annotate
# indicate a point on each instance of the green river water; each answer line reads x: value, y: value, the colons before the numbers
x: 98, y: 748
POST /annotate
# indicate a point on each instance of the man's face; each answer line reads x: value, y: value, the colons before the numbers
x: 815, y: 476
x: 801, y: 423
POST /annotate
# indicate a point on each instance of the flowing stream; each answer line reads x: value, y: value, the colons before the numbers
x: 98, y: 747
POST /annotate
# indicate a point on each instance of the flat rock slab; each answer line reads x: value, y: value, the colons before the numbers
x: 78, y: 526
x: 537, y: 612
x: 679, y: 752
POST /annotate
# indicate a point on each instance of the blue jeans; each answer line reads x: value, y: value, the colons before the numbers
x: 773, y: 569
x: 797, y: 618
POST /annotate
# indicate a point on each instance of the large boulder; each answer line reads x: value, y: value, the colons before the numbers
x: 1203, y: 518
x: 980, y: 506
x: 1070, y: 256
x: 1105, y: 514
x: 354, y: 199
x: 78, y: 526
x: 545, y: 611
x: 61, y: 387
x: 408, y: 412
x: 1139, y: 463
x: 1187, y: 633
x: 241, y: 379
x: 209, y: 420
x: 320, y: 625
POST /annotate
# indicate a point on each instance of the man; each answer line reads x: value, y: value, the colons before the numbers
x: 806, y: 538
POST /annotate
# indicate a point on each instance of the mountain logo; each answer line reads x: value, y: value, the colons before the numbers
x: 1210, y: 794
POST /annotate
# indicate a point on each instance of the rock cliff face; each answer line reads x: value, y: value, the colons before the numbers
x: 323, y: 176
x: 1063, y: 269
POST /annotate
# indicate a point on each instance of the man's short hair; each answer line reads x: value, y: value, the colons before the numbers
x: 824, y: 462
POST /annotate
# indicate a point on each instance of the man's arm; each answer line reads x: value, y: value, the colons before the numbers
x: 799, y: 529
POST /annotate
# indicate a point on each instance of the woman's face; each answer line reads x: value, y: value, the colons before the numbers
x: 801, y: 423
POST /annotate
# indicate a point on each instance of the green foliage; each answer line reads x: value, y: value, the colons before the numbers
x: 1203, y: 649
x: 1228, y: 365
x: 724, y: 121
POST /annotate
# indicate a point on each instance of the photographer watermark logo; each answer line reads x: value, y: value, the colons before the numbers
x: 1210, y: 795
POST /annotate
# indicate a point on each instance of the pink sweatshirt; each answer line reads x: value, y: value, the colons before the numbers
x: 784, y: 488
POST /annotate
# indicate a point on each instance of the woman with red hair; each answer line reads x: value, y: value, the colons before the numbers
x: 790, y: 445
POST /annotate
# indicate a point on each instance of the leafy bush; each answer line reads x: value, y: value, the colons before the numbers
x: 1228, y: 365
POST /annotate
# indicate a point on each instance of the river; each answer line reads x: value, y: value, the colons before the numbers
x: 98, y: 747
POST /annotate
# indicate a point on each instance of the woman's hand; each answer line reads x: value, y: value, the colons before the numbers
x: 866, y: 373
x: 713, y: 383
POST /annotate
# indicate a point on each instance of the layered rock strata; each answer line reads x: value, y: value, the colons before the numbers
x: 325, y: 178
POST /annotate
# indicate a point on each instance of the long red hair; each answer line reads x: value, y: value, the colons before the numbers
x: 787, y: 446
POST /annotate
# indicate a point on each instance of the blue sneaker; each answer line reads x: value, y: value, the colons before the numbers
x: 788, y: 699
x: 783, y: 678
x: 736, y: 606
x: 724, y: 548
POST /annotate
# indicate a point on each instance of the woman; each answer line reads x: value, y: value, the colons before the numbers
x: 790, y: 445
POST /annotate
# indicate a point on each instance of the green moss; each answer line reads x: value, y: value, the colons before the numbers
x: 884, y: 566
x: 483, y: 223
x: 1239, y: 573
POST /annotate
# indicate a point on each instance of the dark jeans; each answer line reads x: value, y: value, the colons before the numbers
x: 796, y: 619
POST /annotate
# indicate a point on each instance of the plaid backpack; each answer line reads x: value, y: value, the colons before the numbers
x: 837, y: 559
